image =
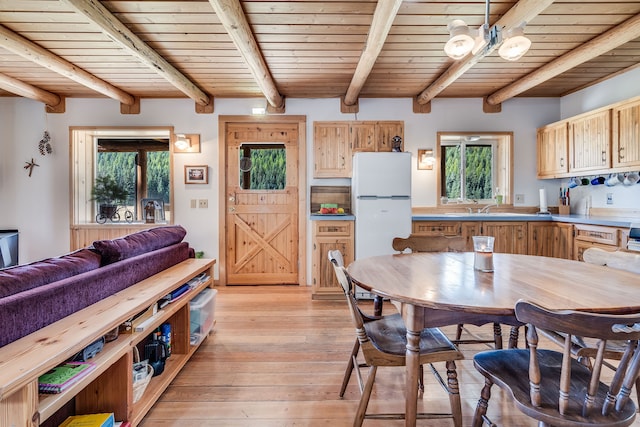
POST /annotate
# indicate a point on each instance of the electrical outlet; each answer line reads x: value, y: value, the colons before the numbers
x: 203, y: 203
x: 609, y: 198
x: 520, y: 198
x: 193, y: 203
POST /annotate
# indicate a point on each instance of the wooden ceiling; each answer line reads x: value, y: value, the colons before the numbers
x: 278, y: 49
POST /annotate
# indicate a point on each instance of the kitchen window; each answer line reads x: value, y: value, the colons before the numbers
x: 474, y: 168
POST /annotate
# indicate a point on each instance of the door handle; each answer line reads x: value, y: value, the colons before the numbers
x: 232, y: 209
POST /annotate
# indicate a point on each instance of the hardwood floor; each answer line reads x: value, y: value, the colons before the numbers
x: 276, y: 358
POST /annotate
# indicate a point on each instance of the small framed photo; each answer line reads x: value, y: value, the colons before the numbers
x: 196, y: 174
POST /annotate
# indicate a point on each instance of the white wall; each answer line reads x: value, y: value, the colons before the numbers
x: 38, y: 206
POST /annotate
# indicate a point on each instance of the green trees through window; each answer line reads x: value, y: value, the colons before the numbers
x: 267, y: 168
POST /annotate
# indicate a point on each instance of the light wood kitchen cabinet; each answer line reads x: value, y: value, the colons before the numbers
x: 331, y: 150
x: 330, y: 235
x: 510, y: 236
x: 436, y: 228
x: 553, y: 150
x: 588, y: 236
x: 550, y: 239
x: 590, y: 142
x: 362, y: 136
x: 375, y: 136
x: 626, y: 135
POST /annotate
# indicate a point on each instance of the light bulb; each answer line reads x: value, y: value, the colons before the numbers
x: 460, y: 42
x: 515, y: 44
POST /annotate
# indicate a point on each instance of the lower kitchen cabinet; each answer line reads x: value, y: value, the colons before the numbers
x: 330, y: 235
x: 551, y: 239
x: 510, y: 237
x: 607, y: 238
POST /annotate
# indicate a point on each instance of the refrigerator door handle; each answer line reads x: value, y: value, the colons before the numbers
x: 383, y: 197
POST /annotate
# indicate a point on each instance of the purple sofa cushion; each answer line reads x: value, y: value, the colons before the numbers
x: 27, y: 276
x: 139, y: 243
x: 26, y: 312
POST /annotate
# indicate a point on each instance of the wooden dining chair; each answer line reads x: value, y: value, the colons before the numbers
x: 383, y: 343
x: 584, y: 348
x: 418, y: 243
x: 553, y: 387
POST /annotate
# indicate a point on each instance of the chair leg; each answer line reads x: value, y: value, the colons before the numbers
x: 638, y: 391
x: 421, y: 379
x: 483, y: 404
x: 497, y: 336
x: 459, y: 331
x: 350, y: 366
x: 364, y: 399
x: 454, y: 393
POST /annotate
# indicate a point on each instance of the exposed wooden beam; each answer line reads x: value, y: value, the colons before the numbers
x: 26, y: 90
x: 34, y: 53
x: 523, y: 11
x: 119, y: 33
x: 235, y: 23
x: 386, y: 11
x: 623, y: 33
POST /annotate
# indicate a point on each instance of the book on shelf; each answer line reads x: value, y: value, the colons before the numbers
x: 90, y: 420
x: 64, y: 376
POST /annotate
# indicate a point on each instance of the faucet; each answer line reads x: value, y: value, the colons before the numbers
x: 486, y: 208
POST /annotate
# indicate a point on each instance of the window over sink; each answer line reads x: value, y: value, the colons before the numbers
x: 475, y: 167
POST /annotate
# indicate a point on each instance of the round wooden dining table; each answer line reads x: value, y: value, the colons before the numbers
x: 435, y: 289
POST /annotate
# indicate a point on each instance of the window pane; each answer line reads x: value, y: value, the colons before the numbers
x: 122, y: 167
x: 452, y: 175
x: 158, y: 175
x: 478, y: 171
x: 266, y: 169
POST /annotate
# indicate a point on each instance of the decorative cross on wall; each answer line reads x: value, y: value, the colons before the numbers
x: 30, y: 165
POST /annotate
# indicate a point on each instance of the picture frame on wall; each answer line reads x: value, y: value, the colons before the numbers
x: 196, y: 174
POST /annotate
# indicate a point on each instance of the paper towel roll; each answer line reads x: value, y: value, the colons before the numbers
x: 543, y: 200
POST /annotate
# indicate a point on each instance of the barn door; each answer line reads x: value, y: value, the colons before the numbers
x: 262, y: 203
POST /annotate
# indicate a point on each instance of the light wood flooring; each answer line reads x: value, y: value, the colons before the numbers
x: 276, y: 358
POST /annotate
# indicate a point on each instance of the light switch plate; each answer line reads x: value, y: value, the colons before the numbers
x: 609, y: 198
x: 203, y: 203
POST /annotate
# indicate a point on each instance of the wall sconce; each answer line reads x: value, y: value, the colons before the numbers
x: 426, y: 159
x: 186, y: 143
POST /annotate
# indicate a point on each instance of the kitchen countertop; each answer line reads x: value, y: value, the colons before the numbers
x: 610, y: 221
x: 332, y: 217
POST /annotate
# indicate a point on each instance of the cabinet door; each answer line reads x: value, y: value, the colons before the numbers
x: 363, y: 136
x: 552, y: 150
x: 385, y: 131
x: 328, y: 236
x: 511, y: 237
x: 331, y: 150
x: 626, y: 135
x: 590, y: 142
x: 550, y: 239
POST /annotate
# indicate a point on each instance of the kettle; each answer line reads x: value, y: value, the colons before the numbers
x: 156, y: 352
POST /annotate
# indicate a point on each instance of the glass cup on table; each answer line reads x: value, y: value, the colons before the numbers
x: 483, y: 253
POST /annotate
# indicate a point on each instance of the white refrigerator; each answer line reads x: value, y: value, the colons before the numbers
x: 381, y: 191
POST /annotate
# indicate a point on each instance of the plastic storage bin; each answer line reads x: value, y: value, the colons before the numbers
x: 201, y: 309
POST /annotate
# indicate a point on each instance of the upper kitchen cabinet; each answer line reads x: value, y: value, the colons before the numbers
x: 375, y: 136
x: 626, y: 135
x: 590, y: 142
x: 553, y: 150
x: 335, y: 142
x: 331, y: 150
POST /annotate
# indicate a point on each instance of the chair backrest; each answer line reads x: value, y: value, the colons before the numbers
x: 583, y: 324
x: 620, y: 260
x: 348, y: 288
x: 429, y: 243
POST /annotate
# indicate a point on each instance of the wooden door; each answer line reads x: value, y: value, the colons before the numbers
x: 331, y: 150
x: 362, y: 136
x: 550, y: 239
x: 261, y: 224
x: 553, y: 150
x: 386, y: 131
x: 590, y: 142
x: 626, y: 135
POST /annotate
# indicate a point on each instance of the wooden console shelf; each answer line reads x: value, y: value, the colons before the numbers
x: 109, y: 388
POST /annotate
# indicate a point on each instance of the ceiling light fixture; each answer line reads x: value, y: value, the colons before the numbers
x: 513, y: 44
x: 460, y: 41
